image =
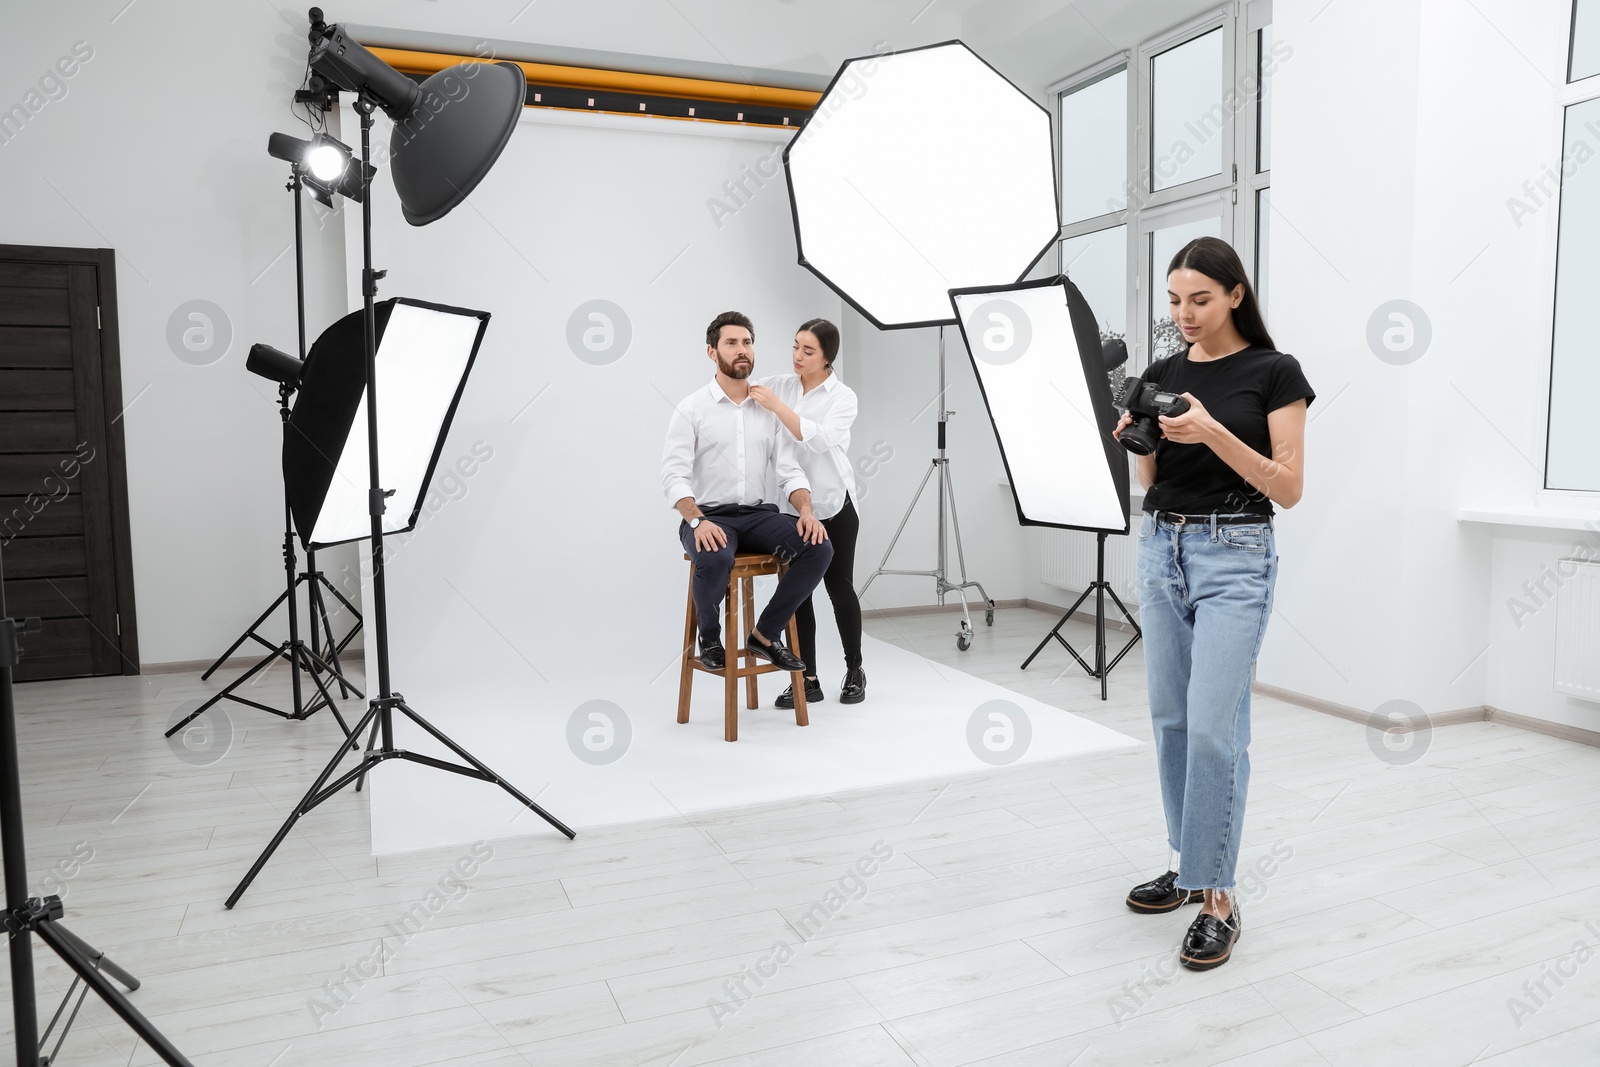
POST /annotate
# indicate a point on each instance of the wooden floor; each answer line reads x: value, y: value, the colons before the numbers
x: 1445, y: 911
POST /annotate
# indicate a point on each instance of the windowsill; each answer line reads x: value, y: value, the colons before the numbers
x: 1546, y: 517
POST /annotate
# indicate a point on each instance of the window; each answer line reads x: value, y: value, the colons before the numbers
x: 1094, y: 159
x: 1583, y: 57
x: 1570, y: 458
x: 1158, y: 146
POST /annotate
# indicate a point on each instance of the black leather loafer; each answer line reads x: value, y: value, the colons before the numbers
x: 713, y: 656
x: 1160, y: 895
x: 1210, y: 940
x: 854, y: 690
x: 813, y: 695
x: 775, y: 654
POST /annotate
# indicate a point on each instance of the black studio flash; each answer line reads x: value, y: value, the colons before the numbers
x: 274, y: 365
x: 448, y: 131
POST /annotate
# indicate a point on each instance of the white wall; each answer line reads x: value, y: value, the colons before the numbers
x: 1390, y: 181
x: 158, y: 150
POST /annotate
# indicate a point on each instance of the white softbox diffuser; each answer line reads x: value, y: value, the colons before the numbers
x: 424, y: 354
x: 1036, y: 352
x: 920, y: 172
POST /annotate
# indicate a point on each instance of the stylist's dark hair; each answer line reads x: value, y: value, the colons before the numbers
x: 827, y: 335
x: 1216, y: 259
x: 728, y: 318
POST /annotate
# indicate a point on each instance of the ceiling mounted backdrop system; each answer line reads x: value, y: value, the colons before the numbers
x: 623, y: 92
x: 920, y: 172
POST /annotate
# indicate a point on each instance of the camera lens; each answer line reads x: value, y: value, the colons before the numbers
x: 1139, y: 437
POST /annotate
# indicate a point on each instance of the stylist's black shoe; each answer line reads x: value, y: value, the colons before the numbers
x: 1210, y: 940
x: 712, y: 656
x: 1162, y: 895
x: 775, y: 654
x: 854, y: 690
x: 813, y: 694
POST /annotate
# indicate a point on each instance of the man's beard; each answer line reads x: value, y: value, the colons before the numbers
x: 736, y: 373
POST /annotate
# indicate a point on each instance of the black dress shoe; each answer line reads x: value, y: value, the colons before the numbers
x: 712, y: 655
x: 854, y: 690
x: 775, y: 653
x: 1210, y: 940
x: 1161, y: 895
x: 813, y: 694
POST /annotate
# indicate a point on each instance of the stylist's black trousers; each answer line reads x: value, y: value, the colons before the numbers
x: 754, y: 528
x: 839, y: 580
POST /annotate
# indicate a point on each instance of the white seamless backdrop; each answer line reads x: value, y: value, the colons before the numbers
x: 546, y: 582
x: 549, y: 575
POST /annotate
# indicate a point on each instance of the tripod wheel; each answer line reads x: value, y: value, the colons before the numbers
x: 988, y: 614
x: 964, y: 638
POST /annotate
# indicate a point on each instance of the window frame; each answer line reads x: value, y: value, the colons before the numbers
x: 1569, y: 95
x: 1147, y: 209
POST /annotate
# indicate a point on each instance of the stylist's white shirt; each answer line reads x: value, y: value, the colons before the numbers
x: 826, y: 414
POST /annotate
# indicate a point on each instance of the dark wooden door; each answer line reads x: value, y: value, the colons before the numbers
x: 63, y: 484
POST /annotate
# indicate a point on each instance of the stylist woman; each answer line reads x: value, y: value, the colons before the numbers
x: 818, y: 409
x: 1206, y: 564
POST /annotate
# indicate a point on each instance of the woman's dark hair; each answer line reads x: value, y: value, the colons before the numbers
x: 827, y: 335
x: 1216, y: 259
x: 728, y: 318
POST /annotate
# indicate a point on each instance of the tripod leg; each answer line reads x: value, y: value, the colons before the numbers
x: 1055, y: 631
x: 249, y: 633
x: 325, y: 667
x: 327, y: 698
x: 372, y: 741
x: 473, y: 761
x: 307, y: 802
x: 899, y: 529
x: 236, y: 683
x: 111, y: 995
x: 97, y: 958
x: 321, y: 624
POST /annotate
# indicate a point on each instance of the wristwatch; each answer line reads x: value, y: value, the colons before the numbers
x: 694, y: 522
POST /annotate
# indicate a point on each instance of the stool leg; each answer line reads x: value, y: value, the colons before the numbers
x: 800, y: 716
x: 752, y: 698
x: 730, y: 671
x: 686, y: 672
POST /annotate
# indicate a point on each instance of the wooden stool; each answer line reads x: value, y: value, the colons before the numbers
x: 741, y: 581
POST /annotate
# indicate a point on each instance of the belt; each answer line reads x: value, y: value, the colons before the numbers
x: 1176, y: 519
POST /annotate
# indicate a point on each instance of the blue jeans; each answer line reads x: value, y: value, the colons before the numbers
x: 1205, y: 591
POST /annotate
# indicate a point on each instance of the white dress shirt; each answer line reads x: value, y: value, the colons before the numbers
x: 720, y: 452
x: 826, y: 414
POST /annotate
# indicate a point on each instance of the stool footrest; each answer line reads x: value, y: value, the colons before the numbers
x: 741, y: 592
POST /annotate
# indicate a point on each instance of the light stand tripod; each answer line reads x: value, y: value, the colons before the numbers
x: 379, y: 718
x: 1099, y: 587
x: 310, y: 660
x: 27, y: 915
x: 940, y: 467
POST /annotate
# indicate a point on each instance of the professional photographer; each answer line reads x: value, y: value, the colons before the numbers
x: 1230, y: 412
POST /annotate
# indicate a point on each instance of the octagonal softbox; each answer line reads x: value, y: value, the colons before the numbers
x: 920, y: 172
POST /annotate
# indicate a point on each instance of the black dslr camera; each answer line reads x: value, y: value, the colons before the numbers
x: 1146, y: 403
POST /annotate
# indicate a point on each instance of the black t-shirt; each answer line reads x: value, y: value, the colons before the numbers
x: 1238, y: 390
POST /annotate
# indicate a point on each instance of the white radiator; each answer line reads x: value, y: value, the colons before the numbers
x: 1068, y: 561
x: 1578, y: 631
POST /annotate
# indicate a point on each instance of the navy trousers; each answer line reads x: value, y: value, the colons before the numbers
x: 754, y: 528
